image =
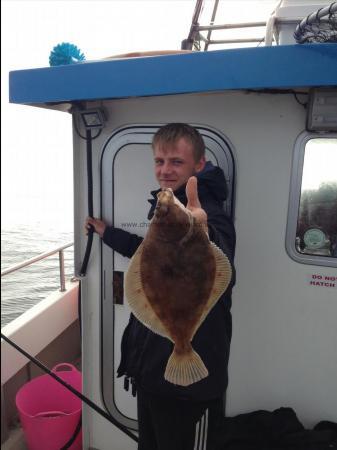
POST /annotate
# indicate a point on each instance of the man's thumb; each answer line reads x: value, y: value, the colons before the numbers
x: 192, y: 193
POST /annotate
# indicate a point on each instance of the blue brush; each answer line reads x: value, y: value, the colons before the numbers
x: 65, y: 53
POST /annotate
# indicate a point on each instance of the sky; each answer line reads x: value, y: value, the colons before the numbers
x: 37, y: 144
x: 36, y: 174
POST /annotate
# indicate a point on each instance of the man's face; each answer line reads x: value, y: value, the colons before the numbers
x: 174, y: 164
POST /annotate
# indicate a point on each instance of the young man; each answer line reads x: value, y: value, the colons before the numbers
x: 169, y: 416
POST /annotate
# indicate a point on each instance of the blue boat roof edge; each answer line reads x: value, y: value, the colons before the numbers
x: 288, y: 66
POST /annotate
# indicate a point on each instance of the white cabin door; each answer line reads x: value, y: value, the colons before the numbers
x: 126, y: 181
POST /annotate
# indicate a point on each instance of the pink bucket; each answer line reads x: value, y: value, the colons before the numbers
x: 49, y: 413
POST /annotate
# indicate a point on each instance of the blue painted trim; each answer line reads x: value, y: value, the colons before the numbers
x: 248, y: 68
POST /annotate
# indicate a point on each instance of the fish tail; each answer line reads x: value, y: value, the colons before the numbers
x: 185, y: 368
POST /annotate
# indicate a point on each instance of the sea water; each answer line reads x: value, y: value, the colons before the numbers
x: 24, y: 288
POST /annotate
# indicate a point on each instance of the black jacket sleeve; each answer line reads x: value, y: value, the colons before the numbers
x: 122, y: 241
x: 221, y: 229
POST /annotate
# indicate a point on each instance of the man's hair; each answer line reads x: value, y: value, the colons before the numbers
x: 172, y: 132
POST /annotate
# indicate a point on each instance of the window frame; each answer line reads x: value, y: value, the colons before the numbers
x: 294, y: 202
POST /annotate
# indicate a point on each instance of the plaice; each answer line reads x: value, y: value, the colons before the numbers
x: 174, y: 279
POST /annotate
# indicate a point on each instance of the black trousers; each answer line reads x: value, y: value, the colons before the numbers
x: 171, y: 424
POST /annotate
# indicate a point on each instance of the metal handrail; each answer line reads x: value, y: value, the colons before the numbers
x: 236, y: 41
x: 230, y: 26
x: 28, y: 262
x: 195, y: 36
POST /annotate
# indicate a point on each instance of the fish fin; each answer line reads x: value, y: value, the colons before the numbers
x: 223, y: 276
x: 137, y: 299
x: 185, y: 369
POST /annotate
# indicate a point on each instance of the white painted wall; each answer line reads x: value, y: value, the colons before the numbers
x: 37, y: 327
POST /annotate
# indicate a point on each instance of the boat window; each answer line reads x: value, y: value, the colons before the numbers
x: 312, y: 224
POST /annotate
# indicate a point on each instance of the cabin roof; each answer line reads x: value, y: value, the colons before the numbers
x: 246, y: 68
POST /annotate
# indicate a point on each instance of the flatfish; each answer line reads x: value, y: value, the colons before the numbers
x: 173, y: 280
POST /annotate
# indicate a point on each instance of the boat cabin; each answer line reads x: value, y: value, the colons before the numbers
x: 268, y: 118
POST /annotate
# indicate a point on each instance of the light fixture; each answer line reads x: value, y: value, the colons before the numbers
x: 93, y: 118
x: 322, y: 110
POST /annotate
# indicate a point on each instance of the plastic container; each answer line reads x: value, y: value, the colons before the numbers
x: 49, y: 412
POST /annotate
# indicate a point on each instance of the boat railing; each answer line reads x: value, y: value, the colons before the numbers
x: 237, y: 26
x: 28, y: 262
x: 193, y: 42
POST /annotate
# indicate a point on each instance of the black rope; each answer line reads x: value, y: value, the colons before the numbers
x: 282, y: 92
x: 319, y: 26
x: 305, y: 104
x: 84, y: 267
x: 71, y: 389
x: 74, y: 436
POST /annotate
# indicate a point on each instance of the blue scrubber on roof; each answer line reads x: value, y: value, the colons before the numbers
x: 65, y: 53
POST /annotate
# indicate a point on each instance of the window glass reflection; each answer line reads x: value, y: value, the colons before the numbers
x: 317, y: 221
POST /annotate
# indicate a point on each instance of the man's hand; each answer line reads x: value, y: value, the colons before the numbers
x: 98, y: 225
x: 193, y: 203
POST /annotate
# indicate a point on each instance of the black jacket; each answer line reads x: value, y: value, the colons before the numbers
x: 273, y: 430
x: 144, y: 353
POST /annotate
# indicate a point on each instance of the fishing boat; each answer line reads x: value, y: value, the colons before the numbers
x: 268, y: 115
